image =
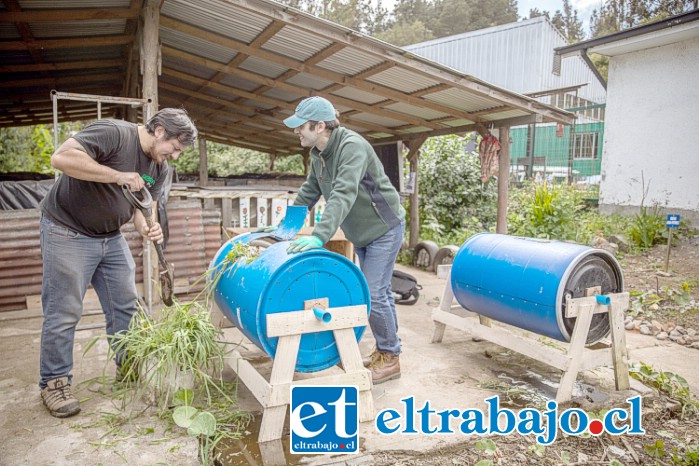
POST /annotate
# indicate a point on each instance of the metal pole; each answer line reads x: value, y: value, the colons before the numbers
x: 54, y: 101
x: 669, y: 242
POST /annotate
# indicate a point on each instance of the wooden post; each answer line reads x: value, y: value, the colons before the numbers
x: 503, y: 179
x: 272, y: 159
x: 149, y: 68
x: 150, y: 56
x: 203, y: 163
x: 306, y: 162
x: 414, y: 154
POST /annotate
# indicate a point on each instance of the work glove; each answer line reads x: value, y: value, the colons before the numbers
x: 305, y: 243
x: 264, y: 229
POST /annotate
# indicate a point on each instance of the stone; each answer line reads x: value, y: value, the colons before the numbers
x: 695, y: 345
x: 691, y: 332
x: 621, y: 242
x: 661, y: 336
x: 629, y: 326
x: 616, y: 452
x: 645, y: 330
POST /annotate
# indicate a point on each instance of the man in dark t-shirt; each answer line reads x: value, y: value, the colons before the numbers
x: 81, y: 242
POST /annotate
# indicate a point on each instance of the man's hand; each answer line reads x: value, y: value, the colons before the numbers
x: 305, y: 243
x: 154, y: 233
x: 132, y: 179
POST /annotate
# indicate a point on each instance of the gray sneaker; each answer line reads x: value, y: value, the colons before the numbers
x: 58, y: 399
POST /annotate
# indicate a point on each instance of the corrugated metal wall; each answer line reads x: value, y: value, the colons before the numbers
x: 195, y: 237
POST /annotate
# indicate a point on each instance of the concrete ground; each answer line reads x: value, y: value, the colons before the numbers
x: 448, y: 374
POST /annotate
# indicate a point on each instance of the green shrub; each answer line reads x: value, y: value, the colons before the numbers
x: 453, y: 201
x: 647, y: 228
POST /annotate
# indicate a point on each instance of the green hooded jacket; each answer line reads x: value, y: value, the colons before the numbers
x: 359, y: 196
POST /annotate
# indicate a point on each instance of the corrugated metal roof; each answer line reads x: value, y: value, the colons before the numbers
x: 77, y: 28
x: 237, y: 66
x: 292, y: 43
x: 200, y: 47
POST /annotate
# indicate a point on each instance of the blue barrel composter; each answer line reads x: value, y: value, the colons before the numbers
x: 524, y: 282
x: 279, y: 282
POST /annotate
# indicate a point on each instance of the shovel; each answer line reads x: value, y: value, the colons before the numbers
x: 167, y: 274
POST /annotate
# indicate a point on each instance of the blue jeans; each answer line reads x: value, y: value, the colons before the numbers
x: 377, y: 260
x: 72, y: 261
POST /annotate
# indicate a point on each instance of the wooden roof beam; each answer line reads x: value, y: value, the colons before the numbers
x: 71, y: 14
x: 72, y: 65
x: 73, y: 42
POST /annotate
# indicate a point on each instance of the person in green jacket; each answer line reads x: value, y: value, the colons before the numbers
x: 361, y: 200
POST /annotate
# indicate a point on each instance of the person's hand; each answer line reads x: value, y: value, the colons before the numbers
x: 264, y: 229
x: 154, y: 233
x: 132, y: 179
x: 305, y: 243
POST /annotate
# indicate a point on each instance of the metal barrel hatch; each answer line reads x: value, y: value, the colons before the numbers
x: 280, y: 282
x: 524, y: 282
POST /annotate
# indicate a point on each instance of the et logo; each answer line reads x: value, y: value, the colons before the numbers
x: 324, y: 419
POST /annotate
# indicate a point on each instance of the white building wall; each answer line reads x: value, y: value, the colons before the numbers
x: 652, y: 128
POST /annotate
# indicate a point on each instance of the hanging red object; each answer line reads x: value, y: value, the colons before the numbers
x: 488, y: 151
x: 559, y: 130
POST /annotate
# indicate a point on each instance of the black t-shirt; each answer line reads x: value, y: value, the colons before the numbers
x: 100, y: 209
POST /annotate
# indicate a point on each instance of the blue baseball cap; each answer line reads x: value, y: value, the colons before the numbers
x: 311, y: 109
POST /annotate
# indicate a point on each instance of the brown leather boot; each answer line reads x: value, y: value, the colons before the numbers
x: 384, y: 367
x: 58, y: 398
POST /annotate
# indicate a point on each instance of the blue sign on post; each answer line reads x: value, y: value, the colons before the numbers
x: 673, y: 221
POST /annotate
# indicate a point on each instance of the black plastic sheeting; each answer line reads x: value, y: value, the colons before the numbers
x: 27, y: 194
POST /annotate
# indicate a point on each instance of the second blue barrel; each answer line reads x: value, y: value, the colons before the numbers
x: 280, y: 282
x: 524, y: 282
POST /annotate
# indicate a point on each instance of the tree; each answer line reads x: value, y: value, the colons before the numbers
x: 458, y: 16
x: 568, y: 23
x: 401, y: 34
x: 223, y: 160
x: 29, y: 148
x: 615, y: 15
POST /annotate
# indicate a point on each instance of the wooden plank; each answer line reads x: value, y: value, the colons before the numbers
x: 282, y: 374
x: 620, y: 356
x: 279, y: 394
x: 505, y: 338
x: 226, y: 212
x: 302, y: 322
x: 250, y: 377
x: 445, y: 305
x: 573, y: 306
x: 575, y: 353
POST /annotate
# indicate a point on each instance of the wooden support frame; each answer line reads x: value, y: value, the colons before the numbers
x: 572, y: 359
x: 274, y: 395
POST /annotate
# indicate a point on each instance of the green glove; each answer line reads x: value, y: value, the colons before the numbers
x: 264, y: 229
x: 304, y: 244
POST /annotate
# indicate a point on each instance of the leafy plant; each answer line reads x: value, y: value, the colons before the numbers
x: 162, y: 352
x: 671, y: 384
x: 647, y: 228
x: 541, y: 210
x: 454, y: 203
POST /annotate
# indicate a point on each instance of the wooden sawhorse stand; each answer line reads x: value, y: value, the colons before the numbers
x: 575, y: 359
x: 289, y: 327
